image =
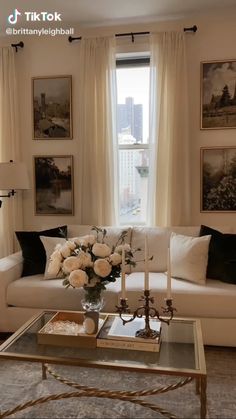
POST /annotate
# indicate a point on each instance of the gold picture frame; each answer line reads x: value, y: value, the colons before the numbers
x: 218, y: 179
x: 52, y: 107
x: 218, y: 94
x: 54, y: 185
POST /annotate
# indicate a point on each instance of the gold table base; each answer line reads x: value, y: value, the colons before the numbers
x: 131, y: 396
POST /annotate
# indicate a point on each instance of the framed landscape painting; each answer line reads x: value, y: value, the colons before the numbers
x: 218, y: 94
x: 53, y: 185
x: 218, y: 179
x: 52, y: 109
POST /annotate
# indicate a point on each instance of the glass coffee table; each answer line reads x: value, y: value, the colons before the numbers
x: 181, y: 354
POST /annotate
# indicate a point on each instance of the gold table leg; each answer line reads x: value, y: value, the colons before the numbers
x: 203, y: 396
x: 44, y: 371
x: 198, y: 386
x: 131, y: 396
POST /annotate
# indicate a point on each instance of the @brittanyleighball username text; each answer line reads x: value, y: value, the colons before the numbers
x: 40, y: 32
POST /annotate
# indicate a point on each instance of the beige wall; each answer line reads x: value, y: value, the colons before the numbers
x: 214, y: 40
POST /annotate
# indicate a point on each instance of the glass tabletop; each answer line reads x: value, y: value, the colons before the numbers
x: 181, y: 349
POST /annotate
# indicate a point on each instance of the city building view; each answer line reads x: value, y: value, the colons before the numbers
x: 132, y: 132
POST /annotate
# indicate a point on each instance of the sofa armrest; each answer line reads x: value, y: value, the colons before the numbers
x: 10, y: 269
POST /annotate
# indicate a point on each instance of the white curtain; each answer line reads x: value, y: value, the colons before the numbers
x: 97, y: 131
x: 169, y: 194
x: 11, y: 210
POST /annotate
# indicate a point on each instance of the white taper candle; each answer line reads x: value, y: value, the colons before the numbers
x: 146, y: 271
x: 123, y: 274
x: 168, y: 274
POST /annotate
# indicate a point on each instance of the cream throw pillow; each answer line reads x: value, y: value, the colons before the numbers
x: 49, y: 244
x: 189, y: 257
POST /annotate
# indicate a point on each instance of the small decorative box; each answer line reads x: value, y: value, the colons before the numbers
x: 66, y: 329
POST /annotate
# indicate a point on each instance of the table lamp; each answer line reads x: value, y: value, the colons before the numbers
x: 13, y: 177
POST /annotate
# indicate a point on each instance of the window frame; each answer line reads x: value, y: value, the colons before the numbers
x: 132, y: 61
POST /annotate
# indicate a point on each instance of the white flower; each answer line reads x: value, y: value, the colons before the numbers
x: 115, y: 259
x: 102, y: 267
x: 71, y: 264
x: 54, y: 267
x: 124, y: 246
x: 78, y: 278
x: 71, y: 244
x: 58, y: 246
x: 101, y: 250
x: 88, y: 239
x: 76, y: 240
x: 56, y: 255
x: 65, y: 250
x: 84, y: 260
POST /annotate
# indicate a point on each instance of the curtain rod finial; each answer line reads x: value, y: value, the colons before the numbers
x: 19, y: 45
x: 71, y: 39
x: 192, y: 29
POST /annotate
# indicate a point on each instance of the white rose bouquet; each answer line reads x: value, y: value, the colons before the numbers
x: 89, y: 262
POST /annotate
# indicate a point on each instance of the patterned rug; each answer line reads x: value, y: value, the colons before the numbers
x: 21, y: 382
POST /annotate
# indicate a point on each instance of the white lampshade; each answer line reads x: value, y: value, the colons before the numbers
x: 13, y: 175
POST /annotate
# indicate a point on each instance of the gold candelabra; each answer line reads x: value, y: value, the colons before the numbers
x: 149, y: 312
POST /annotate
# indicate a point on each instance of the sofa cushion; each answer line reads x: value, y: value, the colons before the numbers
x: 222, y: 255
x: 34, y: 255
x: 214, y: 299
x: 158, y: 239
x: 188, y: 257
x: 34, y: 292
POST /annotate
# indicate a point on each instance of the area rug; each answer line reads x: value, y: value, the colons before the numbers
x: 21, y: 381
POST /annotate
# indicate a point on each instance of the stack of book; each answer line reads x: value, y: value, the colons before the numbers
x: 116, y: 335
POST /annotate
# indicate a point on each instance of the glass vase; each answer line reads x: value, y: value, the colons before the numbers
x: 93, y: 300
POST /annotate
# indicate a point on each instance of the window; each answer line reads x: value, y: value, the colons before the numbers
x: 133, y: 138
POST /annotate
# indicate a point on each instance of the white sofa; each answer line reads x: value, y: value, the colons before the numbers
x: 214, y: 302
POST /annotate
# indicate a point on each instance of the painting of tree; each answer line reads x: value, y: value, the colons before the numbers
x: 218, y: 179
x: 218, y: 94
x: 52, y: 108
x: 53, y: 185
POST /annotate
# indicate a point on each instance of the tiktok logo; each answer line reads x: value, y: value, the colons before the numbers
x: 12, y: 19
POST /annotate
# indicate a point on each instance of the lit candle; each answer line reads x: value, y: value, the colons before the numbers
x: 146, y: 272
x: 168, y: 275
x: 123, y: 274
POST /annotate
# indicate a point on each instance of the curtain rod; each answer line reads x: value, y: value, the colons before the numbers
x: 132, y: 34
x: 19, y: 45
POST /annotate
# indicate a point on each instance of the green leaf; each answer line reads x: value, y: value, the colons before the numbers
x: 132, y: 263
x: 66, y: 282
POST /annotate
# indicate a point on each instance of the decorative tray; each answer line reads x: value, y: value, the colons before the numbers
x: 66, y: 329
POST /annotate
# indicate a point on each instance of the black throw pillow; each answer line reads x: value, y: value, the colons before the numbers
x: 221, y: 255
x: 34, y: 255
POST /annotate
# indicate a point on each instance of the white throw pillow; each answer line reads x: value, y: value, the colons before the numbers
x: 157, y: 241
x: 189, y: 257
x: 49, y: 244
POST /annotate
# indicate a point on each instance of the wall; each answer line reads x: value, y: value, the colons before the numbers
x: 214, y: 40
x: 47, y: 57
